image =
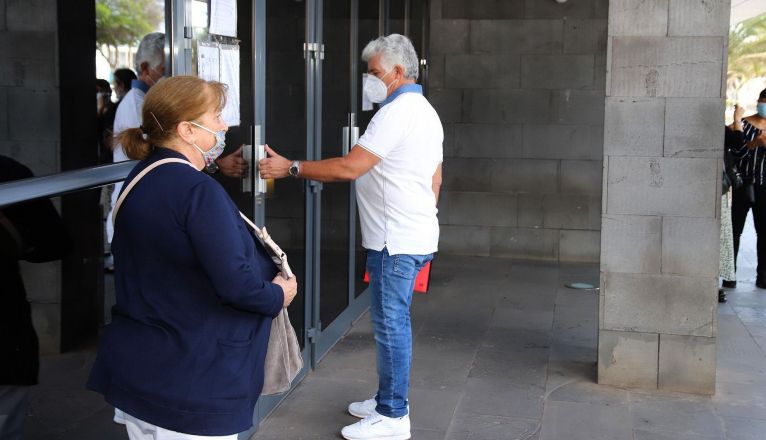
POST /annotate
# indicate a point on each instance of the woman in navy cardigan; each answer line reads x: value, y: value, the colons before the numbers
x: 196, y: 292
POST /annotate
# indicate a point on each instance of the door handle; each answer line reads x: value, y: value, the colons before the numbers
x: 260, y: 184
x: 350, y: 136
x: 354, y: 136
x: 346, y: 139
x: 247, y: 179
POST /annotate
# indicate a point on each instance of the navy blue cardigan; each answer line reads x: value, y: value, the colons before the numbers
x: 186, y: 347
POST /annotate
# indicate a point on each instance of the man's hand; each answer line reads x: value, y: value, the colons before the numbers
x: 274, y: 166
x: 233, y: 165
x: 289, y: 287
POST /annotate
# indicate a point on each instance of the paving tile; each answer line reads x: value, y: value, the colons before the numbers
x: 588, y: 392
x: 340, y: 390
x: 305, y: 420
x: 583, y: 421
x: 530, y: 369
x: 439, y: 373
x: 513, y: 318
x: 432, y: 409
x: 427, y: 434
x: 738, y: 428
x: 562, y: 372
x: 740, y: 400
x: 648, y: 435
x: 502, y: 398
x: 486, y: 427
x: 675, y: 414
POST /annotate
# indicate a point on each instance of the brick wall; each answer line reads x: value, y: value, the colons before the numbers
x: 661, y: 214
x: 519, y: 85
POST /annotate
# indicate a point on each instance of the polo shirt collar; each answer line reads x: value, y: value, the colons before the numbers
x: 140, y: 85
x: 406, y: 88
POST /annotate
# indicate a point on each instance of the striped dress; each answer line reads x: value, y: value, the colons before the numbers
x: 751, y: 162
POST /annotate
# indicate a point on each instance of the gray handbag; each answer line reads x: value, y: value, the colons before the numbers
x: 283, y: 356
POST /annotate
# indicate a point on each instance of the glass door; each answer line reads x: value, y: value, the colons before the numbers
x: 271, y: 90
x: 337, y: 24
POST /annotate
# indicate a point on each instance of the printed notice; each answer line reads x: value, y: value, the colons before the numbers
x: 223, y: 17
x: 230, y: 77
x: 208, y: 61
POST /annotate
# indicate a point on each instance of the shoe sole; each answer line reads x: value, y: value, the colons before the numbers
x: 388, y: 437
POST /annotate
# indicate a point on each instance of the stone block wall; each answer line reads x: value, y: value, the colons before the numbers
x: 661, y: 214
x: 29, y: 130
x: 519, y: 86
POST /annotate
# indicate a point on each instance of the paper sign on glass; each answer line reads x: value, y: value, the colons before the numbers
x: 230, y: 77
x: 223, y: 17
x: 208, y: 61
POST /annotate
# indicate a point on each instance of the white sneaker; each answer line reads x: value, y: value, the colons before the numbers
x: 362, y: 409
x: 378, y: 427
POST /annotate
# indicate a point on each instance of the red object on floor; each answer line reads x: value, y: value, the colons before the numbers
x: 422, y: 281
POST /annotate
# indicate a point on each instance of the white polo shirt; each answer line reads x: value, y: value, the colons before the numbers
x: 397, y: 206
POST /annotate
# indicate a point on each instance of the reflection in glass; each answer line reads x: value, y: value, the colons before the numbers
x: 285, y: 132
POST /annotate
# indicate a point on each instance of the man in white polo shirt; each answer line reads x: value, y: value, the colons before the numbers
x: 397, y: 165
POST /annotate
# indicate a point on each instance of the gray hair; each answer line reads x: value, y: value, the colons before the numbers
x: 395, y: 49
x: 151, y: 50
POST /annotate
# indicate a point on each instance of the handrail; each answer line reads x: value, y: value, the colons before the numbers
x: 62, y: 183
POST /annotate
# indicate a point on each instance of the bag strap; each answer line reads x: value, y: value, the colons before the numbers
x: 139, y: 176
x: 269, y: 243
x: 262, y: 235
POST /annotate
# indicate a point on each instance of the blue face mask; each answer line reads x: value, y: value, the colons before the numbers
x: 762, y: 109
x: 220, y: 143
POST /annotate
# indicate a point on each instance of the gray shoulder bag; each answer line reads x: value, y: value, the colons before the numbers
x: 283, y: 357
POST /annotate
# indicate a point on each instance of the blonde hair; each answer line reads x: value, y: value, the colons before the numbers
x: 168, y: 103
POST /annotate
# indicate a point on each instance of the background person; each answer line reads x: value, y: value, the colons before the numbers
x: 196, y: 293
x: 33, y: 232
x: 397, y: 168
x: 752, y: 195
x: 731, y: 180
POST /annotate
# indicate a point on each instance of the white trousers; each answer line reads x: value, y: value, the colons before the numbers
x: 140, y: 430
x: 13, y: 411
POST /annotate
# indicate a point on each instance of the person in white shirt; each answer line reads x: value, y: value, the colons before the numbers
x: 397, y: 165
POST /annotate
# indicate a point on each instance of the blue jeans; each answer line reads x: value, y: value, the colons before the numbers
x: 392, y: 280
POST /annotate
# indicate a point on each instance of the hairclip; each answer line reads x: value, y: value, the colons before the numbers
x: 157, y: 121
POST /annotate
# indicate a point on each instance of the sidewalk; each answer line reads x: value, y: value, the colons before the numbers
x: 501, y: 351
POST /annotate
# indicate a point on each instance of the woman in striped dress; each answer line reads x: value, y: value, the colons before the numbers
x: 752, y: 195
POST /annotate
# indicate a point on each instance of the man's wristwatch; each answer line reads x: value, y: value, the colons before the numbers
x: 295, y: 168
x: 212, y: 168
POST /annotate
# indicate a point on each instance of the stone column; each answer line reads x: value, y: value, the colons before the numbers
x: 663, y: 127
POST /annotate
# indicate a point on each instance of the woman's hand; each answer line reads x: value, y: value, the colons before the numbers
x: 739, y: 112
x: 274, y: 166
x: 289, y: 287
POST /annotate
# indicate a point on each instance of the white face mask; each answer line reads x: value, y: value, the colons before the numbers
x: 374, y: 88
x: 212, y: 154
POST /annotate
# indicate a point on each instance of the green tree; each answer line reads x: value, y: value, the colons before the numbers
x: 747, y: 53
x: 124, y: 22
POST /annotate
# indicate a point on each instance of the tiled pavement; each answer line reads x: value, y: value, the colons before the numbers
x: 501, y: 351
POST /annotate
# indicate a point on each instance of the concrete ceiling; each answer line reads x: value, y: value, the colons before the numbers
x: 741, y: 10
